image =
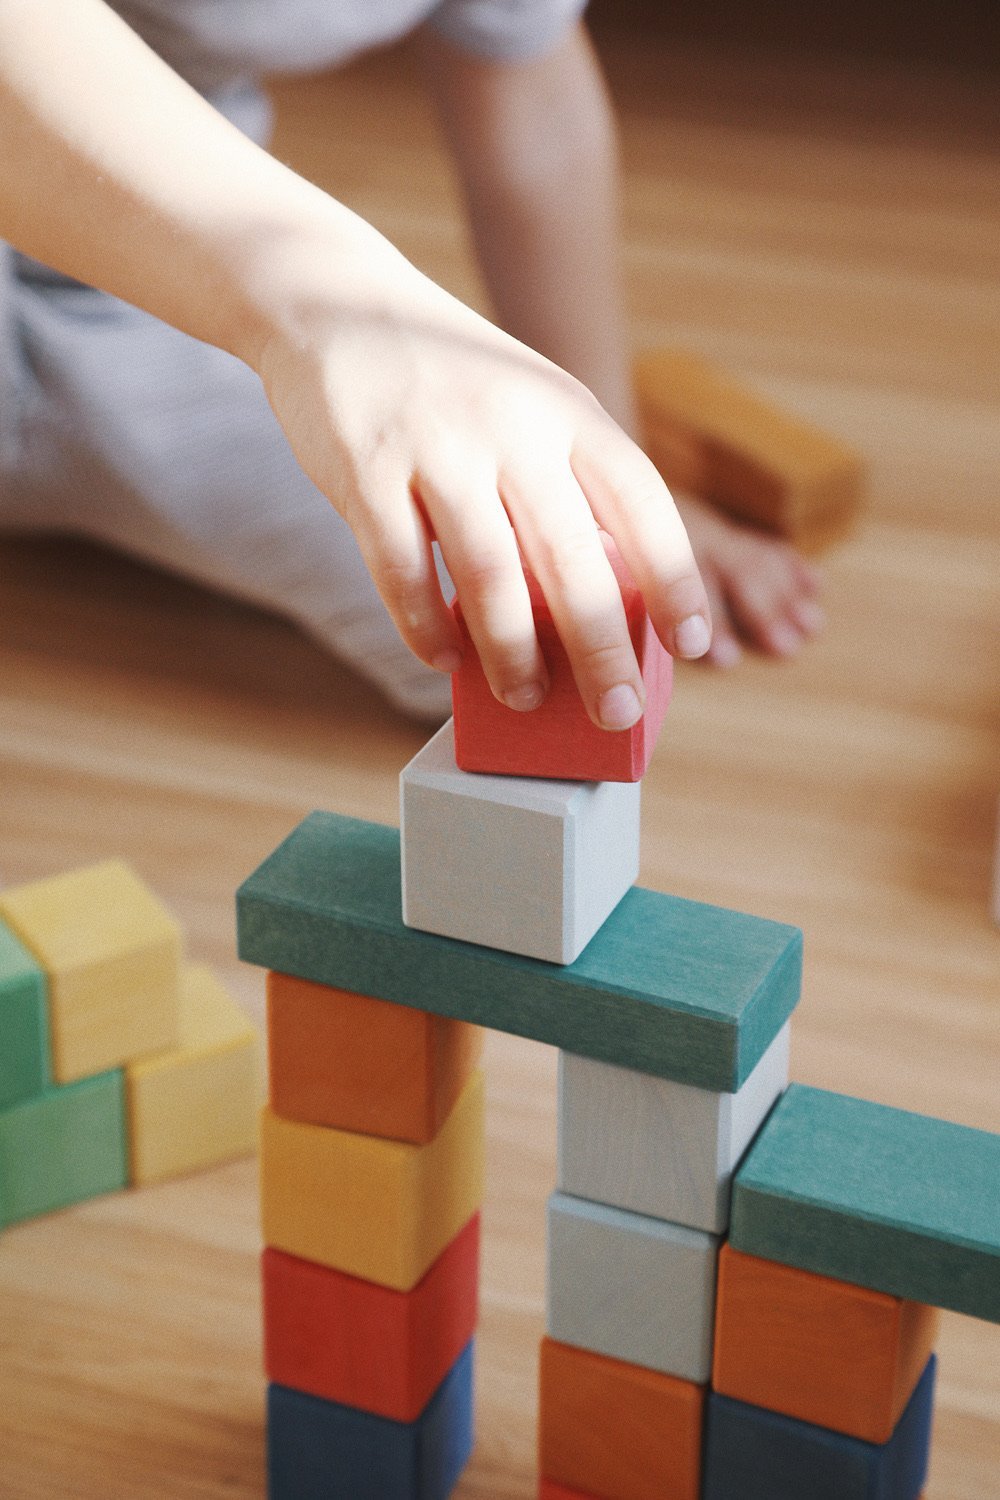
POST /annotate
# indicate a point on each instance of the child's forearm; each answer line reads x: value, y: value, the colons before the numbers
x: 418, y: 419
x: 116, y: 172
x: 536, y: 147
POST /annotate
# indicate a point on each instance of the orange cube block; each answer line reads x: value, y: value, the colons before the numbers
x: 615, y: 1430
x: 549, y: 1490
x: 364, y: 1345
x: 820, y: 1350
x: 369, y: 1066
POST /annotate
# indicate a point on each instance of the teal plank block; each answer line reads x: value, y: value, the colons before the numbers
x: 670, y: 987
x: 24, y: 1022
x: 62, y: 1146
x: 876, y: 1196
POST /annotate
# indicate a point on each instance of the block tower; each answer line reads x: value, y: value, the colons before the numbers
x: 802, y: 1367
x: 118, y: 1061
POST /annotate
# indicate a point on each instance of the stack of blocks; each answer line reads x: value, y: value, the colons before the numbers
x: 118, y: 1062
x: 793, y: 1359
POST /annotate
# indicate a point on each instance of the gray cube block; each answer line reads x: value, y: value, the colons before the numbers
x: 634, y: 1288
x: 527, y: 865
x: 657, y: 1147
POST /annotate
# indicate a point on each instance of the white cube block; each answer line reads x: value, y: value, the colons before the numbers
x: 527, y: 865
x: 660, y: 1148
x: 631, y: 1287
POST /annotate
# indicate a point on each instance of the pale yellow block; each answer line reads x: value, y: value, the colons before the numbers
x: 379, y: 1209
x: 112, y: 954
x: 197, y: 1104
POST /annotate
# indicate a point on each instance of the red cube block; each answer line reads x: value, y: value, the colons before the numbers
x: 558, y: 739
x: 358, y: 1344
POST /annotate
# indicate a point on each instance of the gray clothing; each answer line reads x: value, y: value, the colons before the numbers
x: 115, y: 426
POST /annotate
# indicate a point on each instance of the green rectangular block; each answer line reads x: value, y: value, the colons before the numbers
x: 64, y: 1145
x: 670, y: 987
x: 880, y: 1197
x: 24, y: 1022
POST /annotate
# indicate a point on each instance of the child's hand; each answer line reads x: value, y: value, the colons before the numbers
x: 421, y: 420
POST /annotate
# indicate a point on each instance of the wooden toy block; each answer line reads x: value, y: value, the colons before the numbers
x: 823, y: 1351
x: 752, y: 1454
x: 317, y: 1450
x: 62, y: 1146
x: 533, y: 867
x: 382, y: 1210
x: 363, y: 1345
x: 711, y: 437
x: 549, y: 1490
x: 656, y: 1147
x: 558, y: 740
x: 366, y: 1065
x: 197, y: 1104
x: 326, y: 906
x: 111, y: 953
x: 24, y: 1024
x: 877, y: 1196
x: 636, y: 1289
x: 616, y: 1431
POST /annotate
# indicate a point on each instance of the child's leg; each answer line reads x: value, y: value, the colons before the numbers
x: 136, y: 435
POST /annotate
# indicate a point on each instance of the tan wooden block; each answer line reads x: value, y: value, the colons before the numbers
x: 709, y: 435
x: 112, y: 955
x: 197, y: 1104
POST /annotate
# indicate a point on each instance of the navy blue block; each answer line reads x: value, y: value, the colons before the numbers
x: 318, y: 1450
x: 752, y: 1454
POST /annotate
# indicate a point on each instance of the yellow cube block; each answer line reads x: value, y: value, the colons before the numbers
x: 379, y: 1209
x: 112, y: 955
x: 197, y: 1104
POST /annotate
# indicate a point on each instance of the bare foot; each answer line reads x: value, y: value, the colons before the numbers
x: 763, y: 594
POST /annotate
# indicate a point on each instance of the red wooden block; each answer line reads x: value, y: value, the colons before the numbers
x: 363, y: 1345
x: 558, y: 739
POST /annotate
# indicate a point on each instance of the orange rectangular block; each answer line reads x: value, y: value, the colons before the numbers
x: 364, y: 1345
x: 713, y: 437
x: 369, y: 1066
x: 549, y: 1490
x: 615, y: 1431
x: 820, y: 1350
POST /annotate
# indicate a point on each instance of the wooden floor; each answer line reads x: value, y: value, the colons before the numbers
x: 831, y: 231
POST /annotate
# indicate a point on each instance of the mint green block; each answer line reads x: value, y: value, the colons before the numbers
x: 669, y: 987
x: 63, y: 1146
x: 876, y: 1196
x: 24, y: 1022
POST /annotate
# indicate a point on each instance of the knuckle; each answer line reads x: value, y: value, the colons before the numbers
x: 572, y: 556
x: 603, y: 660
x: 486, y: 573
x: 403, y: 583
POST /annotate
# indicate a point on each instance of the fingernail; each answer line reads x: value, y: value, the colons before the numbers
x: 725, y: 652
x: 619, y: 707
x: 810, y: 615
x: 692, y: 637
x: 524, y: 699
x: 447, y: 661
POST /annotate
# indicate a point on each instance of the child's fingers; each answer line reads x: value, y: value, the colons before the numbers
x: 481, y: 553
x: 631, y: 502
x: 562, y: 545
x: 396, y: 546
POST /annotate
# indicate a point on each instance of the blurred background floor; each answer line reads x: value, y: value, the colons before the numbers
x: 831, y: 230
